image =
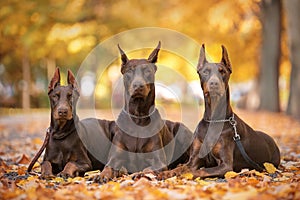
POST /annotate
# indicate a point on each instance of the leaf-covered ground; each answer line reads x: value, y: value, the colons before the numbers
x: 22, y: 134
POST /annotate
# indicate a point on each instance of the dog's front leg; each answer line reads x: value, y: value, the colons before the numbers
x: 194, y: 162
x: 46, y: 170
x: 155, y: 154
x: 156, y: 161
x: 223, y: 155
x: 73, y: 169
x: 116, y: 160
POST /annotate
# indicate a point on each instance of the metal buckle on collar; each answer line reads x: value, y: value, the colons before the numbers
x: 232, y: 121
x: 236, y: 137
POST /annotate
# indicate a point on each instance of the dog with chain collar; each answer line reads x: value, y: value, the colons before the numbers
x: 143, y: 141
x: 222, y: 141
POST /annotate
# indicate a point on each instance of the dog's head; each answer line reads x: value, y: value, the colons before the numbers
x: 63, y: 99
x: 138, y: 74
x: 214, y: 77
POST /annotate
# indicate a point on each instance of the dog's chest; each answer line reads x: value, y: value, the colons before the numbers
x: 62, y: 149
x: 138, y: 144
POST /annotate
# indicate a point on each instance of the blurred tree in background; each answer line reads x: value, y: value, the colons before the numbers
x: 37, y: 36
x: 270, y: 54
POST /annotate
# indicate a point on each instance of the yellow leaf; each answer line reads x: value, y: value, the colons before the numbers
x: 36, y: 165
x: 188, y: 176
x: 76, y: 179
x: 258, y: 173
x: 201, y: 182
x: 231, y: 174
x: 21, y: 183
x: 58, y: 180
x: 89, y: 173
x: 270, y: 168
x: 31, y: 178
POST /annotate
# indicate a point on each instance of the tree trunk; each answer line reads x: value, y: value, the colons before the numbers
x: 26, y: 81
x: 293, y: 17
x: 270, y: 55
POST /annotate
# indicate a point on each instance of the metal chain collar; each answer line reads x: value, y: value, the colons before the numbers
x: 232, y: 122
x: 138, y: 117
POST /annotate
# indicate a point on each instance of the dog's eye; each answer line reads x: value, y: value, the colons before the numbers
x: 206, y: 72
x: 56, y: 96
x: 69, y: 96
x: 222, y: 71
x: 129, y: 72
x: 147, y: 72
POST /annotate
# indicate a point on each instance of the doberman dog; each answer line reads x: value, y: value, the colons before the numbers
x: 71, y: 145
x: 222, y: 141
x: 143, y: 141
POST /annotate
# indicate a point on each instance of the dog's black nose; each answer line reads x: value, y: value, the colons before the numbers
x: 62, y: 111
x: 213, y: 83
x: 137, y: 85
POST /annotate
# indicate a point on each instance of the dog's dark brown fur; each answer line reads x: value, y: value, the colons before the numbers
x: 139, y: 111
x: 66, y: 147
x: 222, y: 154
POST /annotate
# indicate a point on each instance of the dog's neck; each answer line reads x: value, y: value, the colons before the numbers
x: 218, y: 108
x: 140, y: 107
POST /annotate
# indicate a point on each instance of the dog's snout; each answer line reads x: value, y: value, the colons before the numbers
x: 62, y: 112
x: 213, y: 83
x: 138, y: 85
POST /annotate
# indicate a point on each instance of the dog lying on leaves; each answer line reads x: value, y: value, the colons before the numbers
x: 222, y: 141
x: 72, y: 146
x: 143, y: 141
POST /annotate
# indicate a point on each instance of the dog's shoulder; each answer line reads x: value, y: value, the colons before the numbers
x: 99, y: 126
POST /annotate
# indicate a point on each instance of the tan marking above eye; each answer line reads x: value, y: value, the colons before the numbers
x: 221, y: 70
x: 57, y: 94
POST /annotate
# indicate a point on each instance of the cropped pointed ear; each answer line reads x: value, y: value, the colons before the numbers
x: 225, y: 59
x: 202, y: 58
x: 72, y: 81
x: 55, y: 81
x: 153, y: 56
x: 123, y: 56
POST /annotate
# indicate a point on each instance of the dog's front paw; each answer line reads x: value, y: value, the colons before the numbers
x: 46, y: 176
x: 101, y: 179
x: 166, y: 174
x: 174, y: 172
x: 106, y: 175
x: 66, y: 175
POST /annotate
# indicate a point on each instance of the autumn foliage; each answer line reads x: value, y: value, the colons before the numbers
x: 20, y: 139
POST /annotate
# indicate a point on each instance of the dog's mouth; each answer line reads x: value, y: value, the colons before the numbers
x: 138, y: 95
x: 64, y: 117
x: 213, y: 93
